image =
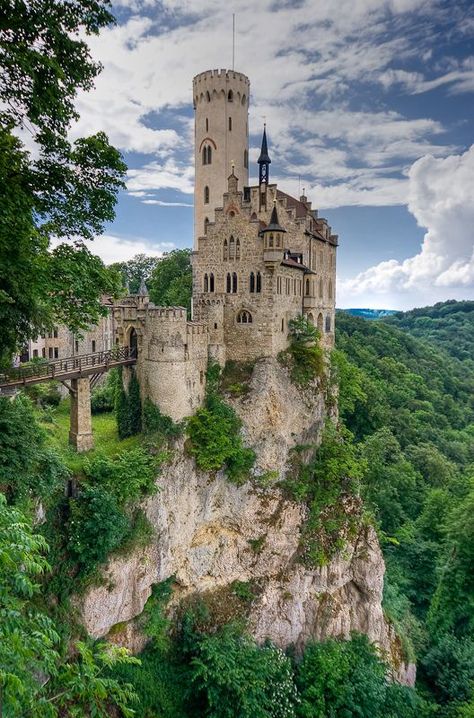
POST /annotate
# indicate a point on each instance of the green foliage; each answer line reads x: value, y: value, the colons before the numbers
x: 135, y: 271
x: 27, y: 467
x: 328, y: 484
x: 128, y: 407
x: 171, y: 281
x: 29, y: 641
x: 128, y: 477
x: 103, y: 398
x: 44, y: 394
x: 305, y: 355
x: 214, y: 433
x: 240, y: 680
x: 347, y: 678
x: 448, y: 668
x: 154, y: 422
x: 96, y: 527
x: 68, y: 190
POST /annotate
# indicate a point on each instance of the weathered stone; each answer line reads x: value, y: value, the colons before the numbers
x: 80, y: 434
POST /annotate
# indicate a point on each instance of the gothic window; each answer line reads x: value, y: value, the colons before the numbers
x: 206, y: 223
x: 209, y: 154
x: 206, y: 195
x: 270, y: 240
x: 306, y: 291
x: 253, y: 217
x: 320, y: 322
x: 231, y: 247
x: 237, y: 249
x: 230, y: 96
x: 208, y: 96
x: 328, y: 323
x: 207, y: 125
x: 252, y: 282
x: 211, y: 282
x: 320, y: 288
x: 225, y: 255
x: 244, y: 317
x: 228, y: 283
x: 246, y: 159
x: 259, y: 282
x: 206, y: 283
x: 234, y: 283
x: 230, y: 124
x: 204, y: 155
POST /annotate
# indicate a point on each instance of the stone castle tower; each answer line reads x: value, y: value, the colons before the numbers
x: 221, y: 102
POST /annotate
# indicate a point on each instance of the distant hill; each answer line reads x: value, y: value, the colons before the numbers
x: 370, y: 313
x: 449, y: 325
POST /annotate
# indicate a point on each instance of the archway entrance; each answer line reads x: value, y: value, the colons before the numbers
x: 133, y: 342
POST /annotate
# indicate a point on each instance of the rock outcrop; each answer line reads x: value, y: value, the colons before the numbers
x: 210, y: 533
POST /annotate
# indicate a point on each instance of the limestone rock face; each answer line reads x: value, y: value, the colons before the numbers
x: 210, y: 533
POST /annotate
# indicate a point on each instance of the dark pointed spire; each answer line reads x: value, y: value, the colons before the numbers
x: 274, y: 225
x: 264, y: 156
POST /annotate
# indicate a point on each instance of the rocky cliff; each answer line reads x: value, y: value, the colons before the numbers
x: 210, y: 533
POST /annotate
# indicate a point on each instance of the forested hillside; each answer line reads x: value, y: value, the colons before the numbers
x: 410, y: 407
x: 449, y: 325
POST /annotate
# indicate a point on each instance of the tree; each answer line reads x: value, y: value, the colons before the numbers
x: 136, y: 270
x: 34, y: 680
x: 68, y: 190
x: 171, y: 281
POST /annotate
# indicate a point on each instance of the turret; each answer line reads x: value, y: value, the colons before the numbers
x: 273, y: 239
x: 221, y: 99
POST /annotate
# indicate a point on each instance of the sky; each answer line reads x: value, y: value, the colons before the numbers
x: 369, y: 106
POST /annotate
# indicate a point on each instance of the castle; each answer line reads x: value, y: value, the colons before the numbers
x: 260, y: 259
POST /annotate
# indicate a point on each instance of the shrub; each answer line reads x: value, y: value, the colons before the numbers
x: 129, y: 477
x: 103, y: 398
x: 96, y: 527
x: 304, y: 356
x: 156, y: 422
x: 134, y: 405
x: 240, y: 680
x: 128, y: 407
x: 214, y: 433
x: 46, y: 394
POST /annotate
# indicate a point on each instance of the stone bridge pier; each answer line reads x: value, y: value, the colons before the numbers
x: 80, y: 433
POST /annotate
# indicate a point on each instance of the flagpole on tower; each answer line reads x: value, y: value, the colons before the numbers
x: 233, y: 41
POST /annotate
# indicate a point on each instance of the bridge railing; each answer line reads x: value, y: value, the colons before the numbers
x: 49, y: 370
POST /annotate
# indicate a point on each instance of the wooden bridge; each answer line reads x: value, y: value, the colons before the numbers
x: 79, y: 374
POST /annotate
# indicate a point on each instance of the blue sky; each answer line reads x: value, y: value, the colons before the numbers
x: 370, y: 102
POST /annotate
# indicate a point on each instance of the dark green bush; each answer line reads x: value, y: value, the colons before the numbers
x: 214, y: 433
x: 95, y: 528
x: 103, y: 398
x: 154, y: 422
x: 128, y: 406
x: 128, y: 477
x: 46, y: 394
x: 305, y: 356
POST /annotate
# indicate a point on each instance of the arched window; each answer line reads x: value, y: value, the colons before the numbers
x: 231, y: 247
x: 204, y: 155
x: 282, y: 324
x: 207, y: 124
x: 206, y: 223
x: 320, y: 288
x: 237, y: 249
x: 253, y: 217
x: 225, y: 254
x: 328, y: 322
x: 209, y: 155
x: 246, y: 159
x: 211, y: 282
x: 330, y: 290
x: 206, y: 283
x: 208, y: 96
x: 228, y: 286
x: 310, y: 318
x: 206, y: 195
x: 230, y: 96
x: 270, y: 240
x: 259, y: 282
x: 234, y: 283
x: 306, y: 291
x: 320, y: 322
x: 278, y: 240
x: 230, y: 124
x: 252, y: 282
x: 244, y: 317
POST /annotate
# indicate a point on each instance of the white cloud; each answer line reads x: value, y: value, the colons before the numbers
x: 441, y: 199
x: 160, y: 203
x: 111, y: 248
